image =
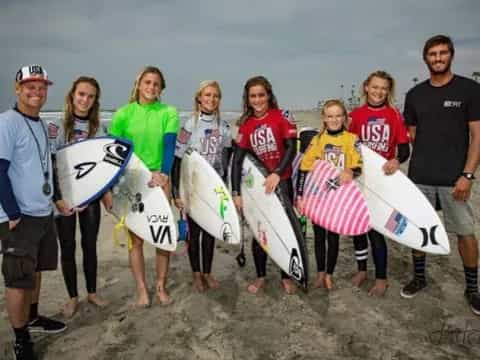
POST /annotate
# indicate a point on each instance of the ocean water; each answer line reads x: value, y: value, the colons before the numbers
x: 106, y: 116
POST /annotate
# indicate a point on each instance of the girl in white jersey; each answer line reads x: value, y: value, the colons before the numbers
x: 211, y: 137
x: 81, y: 121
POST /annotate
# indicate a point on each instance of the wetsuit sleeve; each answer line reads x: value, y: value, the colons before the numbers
x: 226, y: 156
x: 409, y: 112
x: 313, y: 153
x: 403, y: 152
x: 57, y: 194
x: 301, y: 176
x: 177, y: 164
x: 238, y: 157
x: 286, y: 161
x: 169, y: 140
x: 7, y: 197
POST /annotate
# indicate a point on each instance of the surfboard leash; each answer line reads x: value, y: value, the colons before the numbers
x: 241, y: 259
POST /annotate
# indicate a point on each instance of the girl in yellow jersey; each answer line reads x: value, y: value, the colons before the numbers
x: 340, y: 148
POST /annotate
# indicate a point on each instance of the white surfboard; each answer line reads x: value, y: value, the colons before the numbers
x: 398, y: 209
x: 86, y: 169
x: 273, y: 222
x: 146, y: 211
x: 207, y: 199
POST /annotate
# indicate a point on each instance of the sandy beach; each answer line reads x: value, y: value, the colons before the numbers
x: 231, y: 324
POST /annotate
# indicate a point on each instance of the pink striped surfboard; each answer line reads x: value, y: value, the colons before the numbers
x: 340, y: 209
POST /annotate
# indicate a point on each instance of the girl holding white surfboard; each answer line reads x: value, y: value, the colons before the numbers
x: 339, y: 147
x: 380, y: 126
x: 81, y: 121
x: 152, y: 127
x: 211, y: 137
x: 268, y: 133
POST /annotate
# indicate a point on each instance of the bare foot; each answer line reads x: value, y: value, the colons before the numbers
x: 289, y: 286
x: 198, y: 282
x: 142, y: 300
x: 359, y: 278
x: 163, y: 297
x: 94, y: 299
x: 319, y: 281
x: 211, y: 282
x: 257, y: 285
x: 379, y: 288
x: 70, y: 308
x: 328, y: 282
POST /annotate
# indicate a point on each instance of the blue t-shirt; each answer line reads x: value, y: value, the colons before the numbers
x: 17, y: 145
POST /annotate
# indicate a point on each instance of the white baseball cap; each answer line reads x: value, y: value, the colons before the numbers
x: 32, y: 73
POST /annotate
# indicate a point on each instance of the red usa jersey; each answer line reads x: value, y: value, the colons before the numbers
x: 265, y: 138
x: 380, y: 129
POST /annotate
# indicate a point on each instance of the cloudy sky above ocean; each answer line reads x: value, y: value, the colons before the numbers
x: 306, y: 48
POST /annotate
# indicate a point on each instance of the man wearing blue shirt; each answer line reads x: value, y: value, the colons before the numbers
x: 27, y: 230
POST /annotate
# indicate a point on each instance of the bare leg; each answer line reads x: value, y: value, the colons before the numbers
x: 468, y: 249
x: 137, y: 264
x: 163, y: 260
x: 18, y: 306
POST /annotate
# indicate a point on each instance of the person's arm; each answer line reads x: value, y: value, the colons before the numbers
x: 177, y: 163
x: 463, y: 185
x: 7, y: 197
x: 237, y: 162
x: 226, y: 156
x: 286, y: 161
x: 169, y: 140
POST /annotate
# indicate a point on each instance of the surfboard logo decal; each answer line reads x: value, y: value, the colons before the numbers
x: 247, y: 178
x: 223, y: 200
x: 84, y: 168
x: 116, y: 153
x: 295, y: 269
x: 160, y: 234
x: 137, y: 204
x: 431, y: 237
x: 396, y: 223
x: 226, y: 232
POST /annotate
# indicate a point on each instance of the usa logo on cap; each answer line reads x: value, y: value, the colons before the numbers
x: 32, y: 73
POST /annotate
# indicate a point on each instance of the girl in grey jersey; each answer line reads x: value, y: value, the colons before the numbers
x: 81, y: 121
x: 211, y: 137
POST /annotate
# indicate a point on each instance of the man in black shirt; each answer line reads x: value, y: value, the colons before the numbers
x: 443, y: 117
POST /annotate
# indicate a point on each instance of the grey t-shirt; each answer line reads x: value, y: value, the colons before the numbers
x: 18, y: 146
x: 56, y: 133
x: 208, y: 135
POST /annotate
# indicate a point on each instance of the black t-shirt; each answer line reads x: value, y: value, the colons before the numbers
x: 441, y: 116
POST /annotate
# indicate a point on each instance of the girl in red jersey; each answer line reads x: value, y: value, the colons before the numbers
x: 380, y: 126
x: 262, y: 119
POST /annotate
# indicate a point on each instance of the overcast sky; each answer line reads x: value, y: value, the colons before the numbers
x: 306, y: 48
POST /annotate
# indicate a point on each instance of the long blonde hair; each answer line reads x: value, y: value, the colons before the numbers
x: 391, y: 86
x: 141, y: 74
x: 93, y: 112
x: 196, y: 104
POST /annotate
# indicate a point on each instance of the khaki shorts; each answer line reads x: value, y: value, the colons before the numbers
x: 29, y: 248
x: 458, y: 215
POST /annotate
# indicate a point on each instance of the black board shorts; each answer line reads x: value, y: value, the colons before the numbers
x: 29, y: 248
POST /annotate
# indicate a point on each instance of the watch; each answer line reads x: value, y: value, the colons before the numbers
x: 468, y: 175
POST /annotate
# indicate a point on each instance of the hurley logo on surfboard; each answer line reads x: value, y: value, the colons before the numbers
x: 295, y: 269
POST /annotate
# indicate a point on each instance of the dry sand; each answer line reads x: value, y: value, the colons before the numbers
x: 229, y: 323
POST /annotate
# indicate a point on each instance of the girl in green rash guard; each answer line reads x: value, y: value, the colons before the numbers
x: 152, y: 127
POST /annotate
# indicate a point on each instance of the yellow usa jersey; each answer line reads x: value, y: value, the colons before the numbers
x: 341, y: 150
